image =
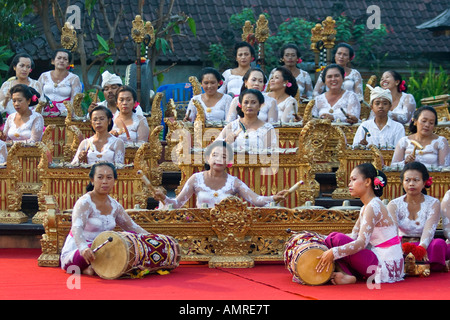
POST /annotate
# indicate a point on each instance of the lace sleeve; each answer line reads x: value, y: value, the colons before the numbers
x: 185, y: 194
x: 319, y: 87
x: 75, y: 84
x: 308, y: 86
x: 445, y: 211
x: 354, y: 106
x: 291, y: 108
x: 143, y: 130
x: 7, y: 126
x: 119, y: 151
x: 224, y: 87
x: 364, y: 229
x: 3, y: 152
x: 232, y: 113
x: 192, y: 109
x: 248, y: 195
x: 3, y: 91
x: 80, y: 215
x: 81, y: 147
x: 405, y: 113
x: 37, y: 129
x: 443, y: 152
x: 270, y: 140
x: 399, y: 153
x: 358, y: 87
x: 124, y: 221
x: 433, y: 216
x: 272, y: 114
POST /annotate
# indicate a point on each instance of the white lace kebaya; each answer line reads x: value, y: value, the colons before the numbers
x: 424, y: 226
x: 113, y: 151
x: 205, y: 195
x: 348, y: 102
x: 352, y: 82
x: 88, y: 223
x: 373, y: 228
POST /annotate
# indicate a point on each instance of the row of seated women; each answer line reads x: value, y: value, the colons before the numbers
x: 376, y: 239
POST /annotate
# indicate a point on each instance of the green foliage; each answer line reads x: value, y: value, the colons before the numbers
x: 428, y: 84
x: 5, y: 54
x: 218, y: 56
x: 104, y: 51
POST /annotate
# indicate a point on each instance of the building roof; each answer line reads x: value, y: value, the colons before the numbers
x: 442, y: 21
x: 400, y: 17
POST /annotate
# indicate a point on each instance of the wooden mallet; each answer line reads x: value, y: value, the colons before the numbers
x: 147, y: 182
x: 416, y: 146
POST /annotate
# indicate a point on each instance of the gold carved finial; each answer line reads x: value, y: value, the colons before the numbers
x: 138, y: 30
x: 262, y: 29
x: 329, y: 32
x: 316, y: 36
x: 69, y: 39
x: 247, y: 30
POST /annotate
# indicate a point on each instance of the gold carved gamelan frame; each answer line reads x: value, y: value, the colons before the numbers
x: 230, y: 235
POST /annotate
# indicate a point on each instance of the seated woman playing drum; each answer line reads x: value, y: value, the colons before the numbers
x: 376, y: 228
x: 249, y: 132
x: 215, y: 184
x: 93, y: 213
x: 418, y: 216
x: 102, y: 146
x: 434, y: 151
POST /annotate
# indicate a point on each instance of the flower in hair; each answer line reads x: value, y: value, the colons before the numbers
x: 221, y: 82
x: 378, y: 182
x: 402, y: 86
x: 70, y: 67
x: 229, y: 165
x: 34, y: 98
x: 429, y: 182
x: 288, y: 84
x: 299, y: 60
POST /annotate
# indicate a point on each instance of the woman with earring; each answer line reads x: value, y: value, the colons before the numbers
x: 256, y: 79
x: 343, y: 55
x: 436, y: 150
x: 290, y: 58
x: 214, y: 103
x: 60, y: 84
x: 403, y: 104
x: 215, y: 183
x: 249, y: 132
x: 21, y: 66
x: 102, y: 146
x: 23, y: 125
x: 373, y: 245
x: 418, y: 216
x: 244, y: 55
x: 128, y: 125
x: 283, y: 88
x: 336, y: 103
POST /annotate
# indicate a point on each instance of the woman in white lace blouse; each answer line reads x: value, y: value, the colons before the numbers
x: 94, y: 213
x: 215, y: 104
x: 283, y: 88
x: 374, y: 244
x: 435, y: 152
x: 290, y: 57
x: 215, y: 184
x: 343, y: 55
x: 60, y: 84
x: 24, y: 125
x: 403, y: 104
x: 255, y: 79
x: 418, y: 215
x: 336, y: 103
x: 21, y: 65
x: 102, y: 146
x: 249, y: 133
x: 137, y: 129
x: 244, y: 55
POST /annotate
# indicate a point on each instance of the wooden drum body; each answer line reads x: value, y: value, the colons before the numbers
x: 300, y: 256
x: 131, y: 252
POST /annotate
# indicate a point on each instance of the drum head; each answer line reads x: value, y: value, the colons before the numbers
x: 111, y: 261
x: 306, y: 268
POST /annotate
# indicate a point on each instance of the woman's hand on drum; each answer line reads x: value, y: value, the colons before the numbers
x: 325, y: 261
x: 88, y: 255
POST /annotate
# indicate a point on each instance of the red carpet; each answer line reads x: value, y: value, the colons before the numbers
x: 21, y: 278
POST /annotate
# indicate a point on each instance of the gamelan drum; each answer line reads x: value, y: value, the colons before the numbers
x: 130, y: 252
x: 300, y: 257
